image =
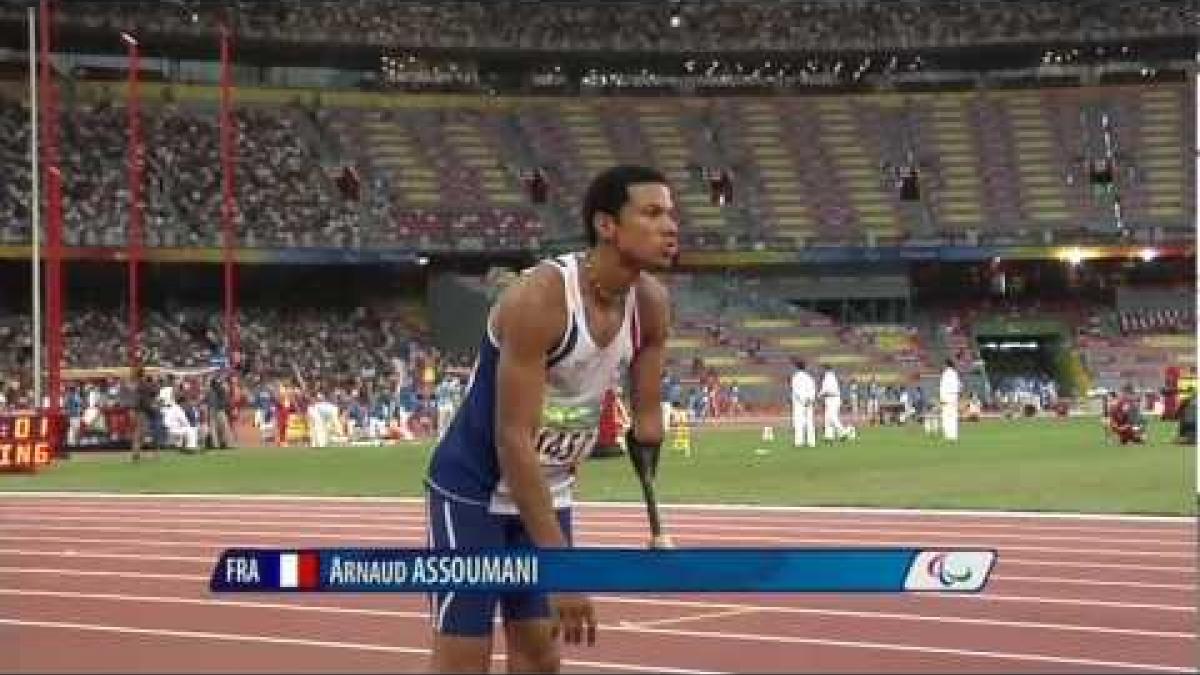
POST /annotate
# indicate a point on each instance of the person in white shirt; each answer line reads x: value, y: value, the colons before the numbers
x: 804, y: 397
x: 831, y: 393
x: 948, y: 392
x: 166, y: 393
x: 179, y: 429
x: 448, y: 395
x: 322, y: 420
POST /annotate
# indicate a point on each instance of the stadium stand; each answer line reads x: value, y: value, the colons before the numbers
x: 367, y: 166
x: 803, y: 170
x: 744, y: 331
x: 642, y: 26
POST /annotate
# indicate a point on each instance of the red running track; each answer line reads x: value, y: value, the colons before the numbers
x: 105, y: 583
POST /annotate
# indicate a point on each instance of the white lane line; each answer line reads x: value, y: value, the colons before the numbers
x: 700, y: 605
x: 277, y: 640
x: 221, y: 602
x: 1181, y: 543
x: 691, y: 617
x: 886, y: 646
x: 590, y: 536
x: 651, y: 627
x: 365, y: 514
x: 100, y: 555
x: 286, y: 498
x: 326, y: 609
x: 898, y: 616
x: 1089, y: 582
x: 1189, y: 570
x: 995, y: 597
x: 59, y: 571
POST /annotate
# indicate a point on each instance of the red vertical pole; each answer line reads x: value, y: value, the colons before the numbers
x: 134, y: 233
x: 52, y: 179
x: 228, y: 128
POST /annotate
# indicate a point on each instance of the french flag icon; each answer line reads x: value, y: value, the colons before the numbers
x: 299, y: 570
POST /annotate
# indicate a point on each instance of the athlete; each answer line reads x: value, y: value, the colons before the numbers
x: 557, y: 340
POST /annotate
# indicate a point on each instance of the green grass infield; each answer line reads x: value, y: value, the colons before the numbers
x: 1025, y: 465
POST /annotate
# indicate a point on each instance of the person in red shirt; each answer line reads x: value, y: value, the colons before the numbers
x: 1126, y: 419
x: 613, y: 420
x: 283, y: 410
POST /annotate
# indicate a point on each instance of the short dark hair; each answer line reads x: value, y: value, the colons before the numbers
x: 609, y: 191
x: 798, y: 363
x: 949, y: 363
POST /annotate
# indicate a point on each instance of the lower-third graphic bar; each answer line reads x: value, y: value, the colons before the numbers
x: 698, y: 570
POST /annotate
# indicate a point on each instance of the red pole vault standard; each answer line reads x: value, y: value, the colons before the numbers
x: 228, y: 203
x: 53, y: 182
x: 134, y: 233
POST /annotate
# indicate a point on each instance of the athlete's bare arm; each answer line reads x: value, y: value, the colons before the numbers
x: 529, y: 320
x: 647, y: 370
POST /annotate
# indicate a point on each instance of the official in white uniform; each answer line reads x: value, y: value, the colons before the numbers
x: 948, y: 392
x: 804, y: 398
x: 179, y: 429
x: 322, y: 421
x: 831, y: 393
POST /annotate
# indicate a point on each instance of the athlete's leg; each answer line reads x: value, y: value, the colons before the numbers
x: 462, y: 622
x: 528, y: 624
x: 810, y: 427
x: 839, y: 429
x: 460, y: 654
x: 139, y: 430
x: 797, y: 425
x: 950, y: 421
x: 531, y: 646
x: 829, y: 415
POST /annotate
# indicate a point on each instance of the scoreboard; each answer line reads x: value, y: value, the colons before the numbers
x: 29, y: 439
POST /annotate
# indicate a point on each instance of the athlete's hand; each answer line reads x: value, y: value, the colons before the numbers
x: 574, y: 618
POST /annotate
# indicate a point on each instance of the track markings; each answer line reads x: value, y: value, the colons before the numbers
x: 297, y: 642
x: 418, y: 530
x: 710, y: 609
x: 1123, y: 542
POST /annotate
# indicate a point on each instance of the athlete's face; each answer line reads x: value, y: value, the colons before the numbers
x: 647, y: 228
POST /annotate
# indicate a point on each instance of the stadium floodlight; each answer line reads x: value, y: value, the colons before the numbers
x: 128, y: 39
x: 1148, y: 254
x: 1074, y: 256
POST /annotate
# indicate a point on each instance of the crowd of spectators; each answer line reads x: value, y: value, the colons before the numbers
x: 315, y: 350
x: 652, y: 25
x: 283, y: 196
x: 14, y: 157
x: 1031, y: 387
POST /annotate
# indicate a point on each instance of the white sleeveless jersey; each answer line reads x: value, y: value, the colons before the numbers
x: 578, y: 374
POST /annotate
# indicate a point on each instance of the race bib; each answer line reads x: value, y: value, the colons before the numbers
x: 568, y: 434
x: 565, y: 448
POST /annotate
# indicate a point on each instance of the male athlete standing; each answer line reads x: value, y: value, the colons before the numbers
x: 556, y: 341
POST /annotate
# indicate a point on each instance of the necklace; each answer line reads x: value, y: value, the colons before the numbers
x: 601, y: 293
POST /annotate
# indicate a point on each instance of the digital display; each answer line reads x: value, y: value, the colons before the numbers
x: 29, y: 439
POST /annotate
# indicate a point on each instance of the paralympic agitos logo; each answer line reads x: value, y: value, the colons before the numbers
x: 943, y: 568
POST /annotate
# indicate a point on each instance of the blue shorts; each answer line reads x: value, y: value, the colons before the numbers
x: 457, y: 524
